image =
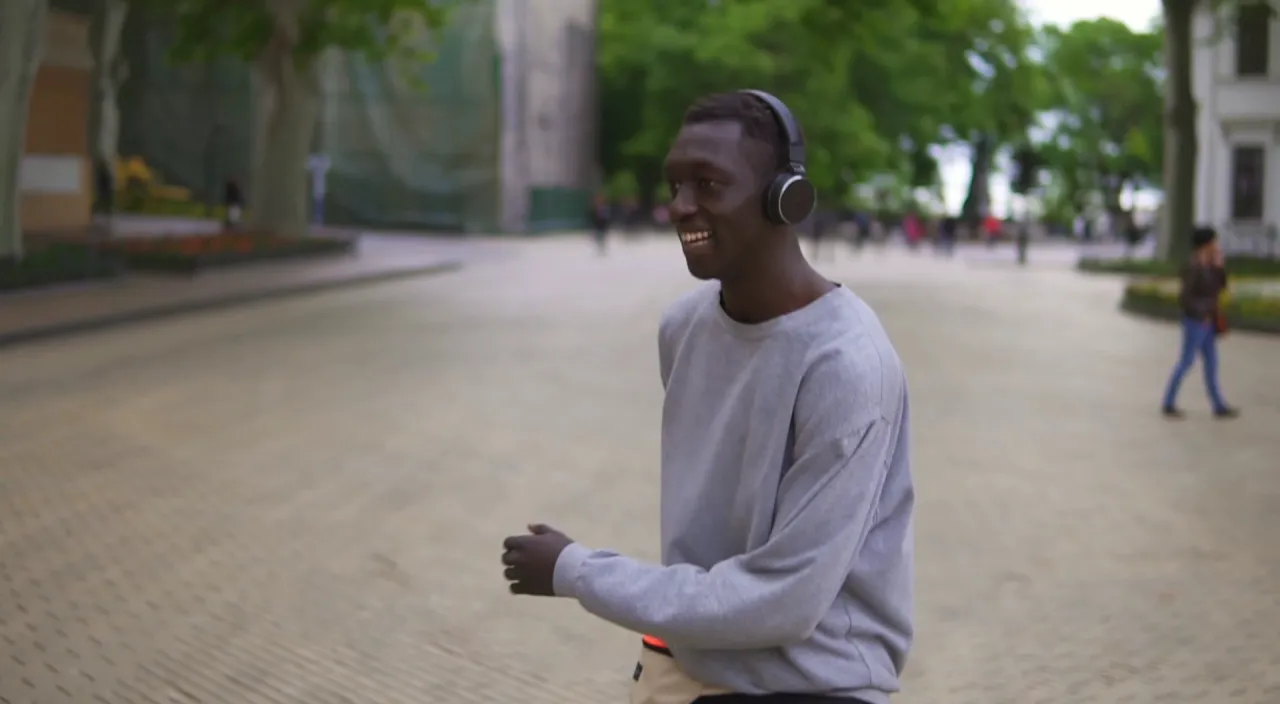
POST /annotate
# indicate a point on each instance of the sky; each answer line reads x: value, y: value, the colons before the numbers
x: 954, y: 164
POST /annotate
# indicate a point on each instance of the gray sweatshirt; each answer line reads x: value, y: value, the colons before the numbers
x: 786, y: 505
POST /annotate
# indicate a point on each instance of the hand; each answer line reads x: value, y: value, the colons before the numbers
x: 531, y: 560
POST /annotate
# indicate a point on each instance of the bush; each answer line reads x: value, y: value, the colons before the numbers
x: 188, y: 254
x: 57, y: 263
x: 141, y: 189
x: 174, y: 208
x: 1239, y: 266
x: 1250, y: 305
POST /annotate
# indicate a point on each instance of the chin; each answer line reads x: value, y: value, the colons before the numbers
x: 702, y: 270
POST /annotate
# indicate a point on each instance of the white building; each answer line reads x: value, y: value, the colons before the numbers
x: 1236, y: 83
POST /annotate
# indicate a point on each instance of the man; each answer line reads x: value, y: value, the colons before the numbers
x: 1203, y: 280
x: 786, y: 488
x: 601, y: 219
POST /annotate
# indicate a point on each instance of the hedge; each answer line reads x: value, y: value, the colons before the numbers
x: 1239, y: 266
x: 1250, y: 306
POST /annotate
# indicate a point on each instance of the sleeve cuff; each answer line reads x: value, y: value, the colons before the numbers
x: 568, y: 567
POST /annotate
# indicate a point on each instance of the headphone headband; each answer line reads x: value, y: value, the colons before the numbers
x: 790, y: 129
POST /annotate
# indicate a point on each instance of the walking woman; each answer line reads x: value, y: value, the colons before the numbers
x: 1203, y: 280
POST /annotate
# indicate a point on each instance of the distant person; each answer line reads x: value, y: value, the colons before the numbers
x: 601, y: 219
x: 947, y: 233
x: 1203, y: 280
x: 318, y: 165
x: 861, y: 230
x: 1133, y: 235
x: 993, y: 229
x: 913, y: 227
x: 233, y: 203
x: 105, y: 186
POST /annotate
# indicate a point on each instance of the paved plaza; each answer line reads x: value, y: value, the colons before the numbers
x: 303, y: 501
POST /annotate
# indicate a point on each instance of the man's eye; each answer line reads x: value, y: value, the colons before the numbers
x: 706, y: 184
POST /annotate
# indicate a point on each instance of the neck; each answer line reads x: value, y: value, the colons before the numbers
x: 781, y: 282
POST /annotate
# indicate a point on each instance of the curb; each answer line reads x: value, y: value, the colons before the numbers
x: 157, y: 312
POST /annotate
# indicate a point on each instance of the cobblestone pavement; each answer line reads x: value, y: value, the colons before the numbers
x: 302, y: 501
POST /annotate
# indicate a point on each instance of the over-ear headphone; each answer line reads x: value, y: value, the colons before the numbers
x: 790, y: 197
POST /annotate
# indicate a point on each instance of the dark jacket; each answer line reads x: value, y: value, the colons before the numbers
x: 1201, y: 287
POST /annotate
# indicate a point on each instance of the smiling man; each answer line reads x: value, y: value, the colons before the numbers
x: 786, y: 487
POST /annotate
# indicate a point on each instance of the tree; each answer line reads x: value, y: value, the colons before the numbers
x: 993, y: 86
x: 22, y: 26
x: 284, y: 40
x: 873, y: 82
x: 655, y: 58
x: 109, y: 70
x: 1104, y: 107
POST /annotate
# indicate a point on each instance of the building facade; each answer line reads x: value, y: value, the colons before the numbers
x: 548, y: 145
x: 55, y: 180
x: 1237, y: 88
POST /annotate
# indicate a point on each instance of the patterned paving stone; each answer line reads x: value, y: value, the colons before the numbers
x: 302, y: 501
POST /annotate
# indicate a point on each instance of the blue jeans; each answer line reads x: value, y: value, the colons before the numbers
x: 1198, y: 336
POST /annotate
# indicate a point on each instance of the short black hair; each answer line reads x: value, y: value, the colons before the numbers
x: 757, y: 119
x: 1203, y: 236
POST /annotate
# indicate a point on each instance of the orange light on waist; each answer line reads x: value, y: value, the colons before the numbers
x: 653, y: 642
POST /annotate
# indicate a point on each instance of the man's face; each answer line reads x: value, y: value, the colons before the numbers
x: 715, y: 175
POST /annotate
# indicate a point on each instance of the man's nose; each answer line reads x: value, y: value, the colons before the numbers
x: 683, y: 204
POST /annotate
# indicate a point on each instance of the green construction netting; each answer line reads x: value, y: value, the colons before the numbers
x: 402, y: 156
x: 418, y: 146
x: 190, y: 123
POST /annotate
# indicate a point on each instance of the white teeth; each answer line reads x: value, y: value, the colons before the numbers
x: 694, y: 237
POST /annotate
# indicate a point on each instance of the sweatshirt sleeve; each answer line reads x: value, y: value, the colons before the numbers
x: 772, y: 596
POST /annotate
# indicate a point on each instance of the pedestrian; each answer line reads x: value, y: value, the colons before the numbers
x: 947, y: 234
x: 601, y: 219
x: 232, y: 203
x: 1204, y: 278
x: 786, y: 489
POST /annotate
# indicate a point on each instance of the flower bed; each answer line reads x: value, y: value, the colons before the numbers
x: 1240, y: 266
x: 54, y: 264
x: 189, y: 254
x: 1249, y: 305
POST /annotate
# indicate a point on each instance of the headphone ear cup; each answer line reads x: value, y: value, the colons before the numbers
x: 796, y: 198
x: 773, y: 199
x: 790, y: 199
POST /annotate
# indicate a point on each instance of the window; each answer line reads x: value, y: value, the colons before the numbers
x: 1253, y: 39
x: 1248, y: 170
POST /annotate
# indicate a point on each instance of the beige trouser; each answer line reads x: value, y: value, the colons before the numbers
x: 659, y: 680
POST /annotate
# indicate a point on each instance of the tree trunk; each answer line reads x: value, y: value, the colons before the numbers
x: 287, y: 96
x: 21, y: 46
x: 109, y: 71
x: 977, y: 202
x: 1180, y: 131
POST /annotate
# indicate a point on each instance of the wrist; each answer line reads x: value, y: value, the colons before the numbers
x: 564, y: 580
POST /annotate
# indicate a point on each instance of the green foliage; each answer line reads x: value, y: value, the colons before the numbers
x: 875, y: 82
x: 1240, y: 266
x: 376, y: 29
x: 1027, y: 164
x: 1250, y: 305
x: 622, y: 185
x: 55, y: 263
x: 1106, y: 107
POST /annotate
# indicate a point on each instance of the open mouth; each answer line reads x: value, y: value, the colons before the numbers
x: 695, y: 238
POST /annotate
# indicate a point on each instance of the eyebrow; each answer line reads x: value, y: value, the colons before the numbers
x: 700, y: 164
